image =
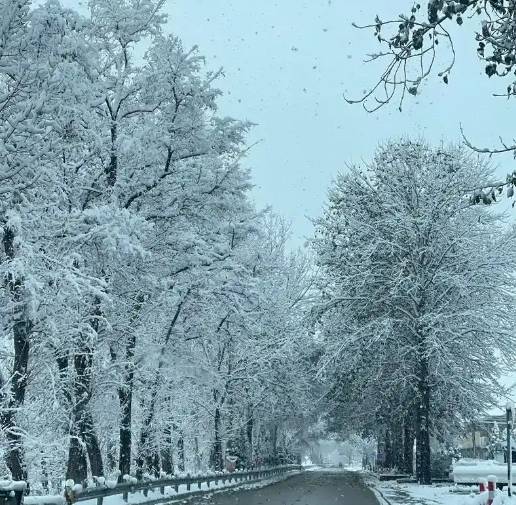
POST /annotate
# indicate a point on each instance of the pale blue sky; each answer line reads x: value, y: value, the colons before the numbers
x: 287, y: 64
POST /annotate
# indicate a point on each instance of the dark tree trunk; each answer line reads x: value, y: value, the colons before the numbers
x: 83, y: 439
x: 93, y: 446
x: 167, y: 462
x: 112, y: 168
x: 397, y: 445
x: 423, y: 452
x: 388, y: 462
x: 181, y: 452
x: 408, y: 448
x: 77, y: 468
x: 77, y: 455
x: 216, y: 461
x: 63, y: 371
x: 197, y: 454
x: 147, y: 450
x: 125, y: 396
x: 274, y: 444
x: 111, y: 456
x: 21, y: 329
x: 249, y: 433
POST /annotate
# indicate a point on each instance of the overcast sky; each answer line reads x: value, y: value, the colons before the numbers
x: 287, y: 65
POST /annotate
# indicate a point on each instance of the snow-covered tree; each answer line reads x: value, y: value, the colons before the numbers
x: 416, y: 303
x: 139, y: 281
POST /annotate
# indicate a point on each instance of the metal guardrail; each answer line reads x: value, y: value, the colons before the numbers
x: 99, y: 492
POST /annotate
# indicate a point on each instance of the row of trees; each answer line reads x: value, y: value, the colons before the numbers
x: 151, y: 317
x: 416, y: 314
x: 414, y: 47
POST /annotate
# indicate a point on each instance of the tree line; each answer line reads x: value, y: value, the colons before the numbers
x: 154, y: 320
x: 420, y: 347
x: 151, y: 315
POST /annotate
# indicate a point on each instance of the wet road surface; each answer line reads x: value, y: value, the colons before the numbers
x: 308, y: 488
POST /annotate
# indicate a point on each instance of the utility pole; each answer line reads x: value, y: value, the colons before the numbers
x: 509, y: 408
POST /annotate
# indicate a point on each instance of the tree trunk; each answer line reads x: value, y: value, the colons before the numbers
x: 93, y: 446
x: 77, y: 456
x: 249, y: 432
x: 77, y: 468
x: 112, y: 168
x: 63, y: 371
x: 397, y: 445
x: 216, y: 461
x: 83, y: 439
x: 408, y: 448
x: 181, y: 452
x: 197, y: 454
x: 21, y: 329
x: 423, y: 452
x: 111, y: 456
x: 388, y: 462
x: 125, y: 397
x: 274, y: 444
x: 146, y: 450
x: 167, y: 462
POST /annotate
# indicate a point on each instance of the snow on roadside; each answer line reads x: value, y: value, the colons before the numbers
x: 414, y: 494
x: 390, y: 493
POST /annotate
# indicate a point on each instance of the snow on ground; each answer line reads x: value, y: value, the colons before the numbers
x: 413, y: 494
x: 471, y: 470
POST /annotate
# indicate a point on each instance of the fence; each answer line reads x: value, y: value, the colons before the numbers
x: 164, y: 487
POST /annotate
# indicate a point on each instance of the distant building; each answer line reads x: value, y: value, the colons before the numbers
x: 479, y: 442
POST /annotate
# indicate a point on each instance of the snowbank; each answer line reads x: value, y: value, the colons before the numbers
x: 43, y: 500
x: 402, y: 494
x: 469, y: 471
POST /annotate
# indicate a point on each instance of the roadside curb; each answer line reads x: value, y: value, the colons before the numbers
x: 380, y: 496
x: 371, y: 481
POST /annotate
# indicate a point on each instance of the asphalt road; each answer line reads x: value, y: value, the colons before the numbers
x: 308, y: 488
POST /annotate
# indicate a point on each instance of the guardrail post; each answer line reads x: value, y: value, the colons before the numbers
x: 100, y: 499
x: 491, y: 487
x: 162, y: 489
x: 188, y: 483
x: 125, y: 496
